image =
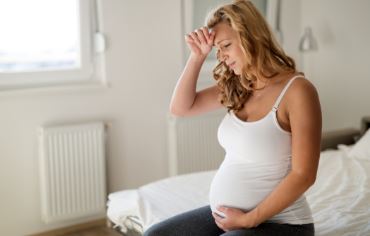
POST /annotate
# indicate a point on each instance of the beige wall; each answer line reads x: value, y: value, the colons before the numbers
x: 143, y: 63
x: 340, y: 68
x: 290, y: 27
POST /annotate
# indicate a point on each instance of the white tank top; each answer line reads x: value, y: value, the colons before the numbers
x: 258, y: 157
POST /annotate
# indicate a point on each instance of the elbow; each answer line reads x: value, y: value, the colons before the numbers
x: 311, y: 180
x: 177, y: 112
x: 181, y: 108
x: 306, y: 179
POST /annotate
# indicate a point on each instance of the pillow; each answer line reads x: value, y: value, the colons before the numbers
x: 361, y: 149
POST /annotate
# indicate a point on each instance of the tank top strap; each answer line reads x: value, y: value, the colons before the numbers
x: 278, y: 100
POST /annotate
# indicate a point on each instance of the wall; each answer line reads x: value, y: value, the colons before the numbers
x: 291, y: 28
x: 340, y: 68
x: 143, y: 63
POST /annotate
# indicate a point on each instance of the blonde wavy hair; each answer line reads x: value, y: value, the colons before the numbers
x: 265, y: 57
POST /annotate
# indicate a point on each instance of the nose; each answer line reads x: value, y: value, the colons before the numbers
x: 221, y: 56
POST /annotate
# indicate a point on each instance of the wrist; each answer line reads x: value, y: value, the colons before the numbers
x: 197, y: 57
x: 251, y: 219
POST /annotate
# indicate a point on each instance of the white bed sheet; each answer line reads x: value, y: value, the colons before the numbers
x: 340, y: 198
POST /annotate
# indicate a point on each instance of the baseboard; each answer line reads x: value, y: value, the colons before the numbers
x: 73, y: 228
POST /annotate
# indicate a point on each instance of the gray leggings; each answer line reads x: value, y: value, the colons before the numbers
x: 200, y: 222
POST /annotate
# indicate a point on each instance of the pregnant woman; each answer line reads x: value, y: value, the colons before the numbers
x: 271, y: 132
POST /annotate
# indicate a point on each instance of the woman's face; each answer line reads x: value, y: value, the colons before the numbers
x: 229, y: 48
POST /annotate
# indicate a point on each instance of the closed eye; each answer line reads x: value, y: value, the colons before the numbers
x: 225, y: 46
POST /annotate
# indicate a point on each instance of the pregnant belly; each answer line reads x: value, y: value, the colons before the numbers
x: 244, y: 186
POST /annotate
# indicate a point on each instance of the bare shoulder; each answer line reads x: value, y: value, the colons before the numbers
x: 302, y: 85
x: 303, y: 104
x: 302, y: 91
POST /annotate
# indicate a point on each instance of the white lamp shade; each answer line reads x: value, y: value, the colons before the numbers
x: 308, y: 41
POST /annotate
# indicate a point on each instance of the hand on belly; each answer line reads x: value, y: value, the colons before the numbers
x: 232, y: 218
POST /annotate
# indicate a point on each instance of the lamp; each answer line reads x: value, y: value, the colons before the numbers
x: 308, y: 41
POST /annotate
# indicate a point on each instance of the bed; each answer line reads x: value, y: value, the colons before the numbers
x: 339, y: 199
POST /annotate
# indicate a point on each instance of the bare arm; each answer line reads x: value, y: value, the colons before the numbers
x: 186, y: 101
x: 305, y: 121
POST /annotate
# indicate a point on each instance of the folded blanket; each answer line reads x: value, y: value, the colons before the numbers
x: 126, y: 216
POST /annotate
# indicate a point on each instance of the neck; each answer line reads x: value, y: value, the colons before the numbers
x: 261, y: 83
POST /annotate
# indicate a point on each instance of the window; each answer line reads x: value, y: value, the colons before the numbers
x: 47, y: 42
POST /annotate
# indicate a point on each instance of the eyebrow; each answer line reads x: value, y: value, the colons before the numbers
x: 216, y: 43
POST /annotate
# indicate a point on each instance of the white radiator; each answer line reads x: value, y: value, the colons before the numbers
x: 193, y: 144
x: 72, y: 171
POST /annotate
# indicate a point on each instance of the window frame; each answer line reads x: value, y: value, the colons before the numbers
x: 91, y: 63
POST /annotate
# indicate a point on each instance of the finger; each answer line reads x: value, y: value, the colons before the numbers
x: 208, y: 34
x: 188, y: 39
x: 222, y: 209
x: 195, y: 38
x: 201, y: 36
x: 205, y: 33
x: 220, y: 225
x: 212, y: 38
x: 217, y: 217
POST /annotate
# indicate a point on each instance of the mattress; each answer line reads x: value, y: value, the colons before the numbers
x: 339, y: 199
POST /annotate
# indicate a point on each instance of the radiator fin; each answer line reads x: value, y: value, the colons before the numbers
x: 193, y: 144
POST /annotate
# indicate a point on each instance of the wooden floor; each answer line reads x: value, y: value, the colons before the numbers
x: 100, y: 227
x: 95, y: 231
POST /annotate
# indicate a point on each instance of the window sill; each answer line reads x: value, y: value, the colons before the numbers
x: 57, y: 87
